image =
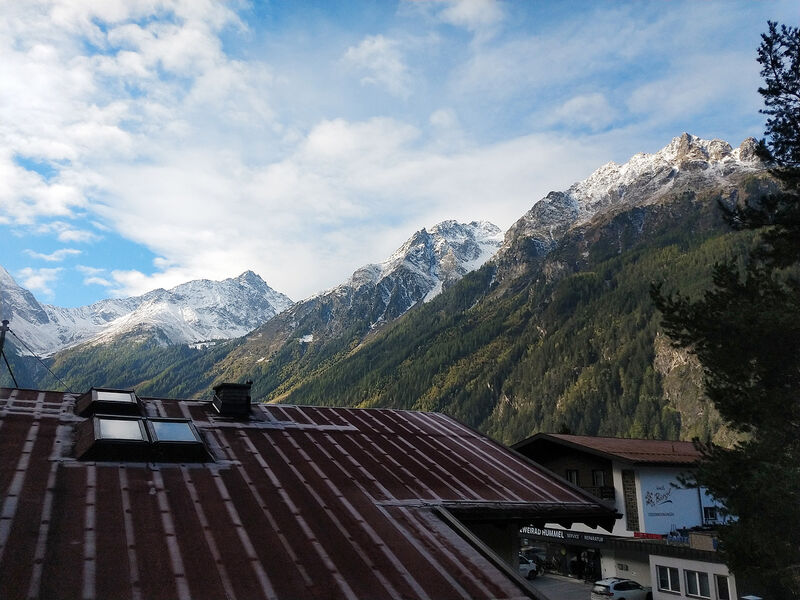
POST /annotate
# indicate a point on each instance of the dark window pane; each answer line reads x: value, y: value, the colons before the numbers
x: 705, y: 590
x: 723, y: 591
x: 598, y: 478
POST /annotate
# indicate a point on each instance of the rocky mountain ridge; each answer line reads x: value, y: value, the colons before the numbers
x: 427, y: 263
x: 195, y: 311
x: 686, y: 164
x: 430, y: 261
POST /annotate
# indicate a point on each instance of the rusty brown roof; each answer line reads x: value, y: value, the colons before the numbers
x: 631, y: 450
x: 301, y: 502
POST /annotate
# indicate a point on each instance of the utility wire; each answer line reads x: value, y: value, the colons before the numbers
x: 14, y: 379
x: 3, y: 329
x: 61, y: 381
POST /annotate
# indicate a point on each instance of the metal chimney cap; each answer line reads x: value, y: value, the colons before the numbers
x: 232, y: 399
x: 233, y: 386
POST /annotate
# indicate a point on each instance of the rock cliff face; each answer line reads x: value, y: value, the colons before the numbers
x: 192, y: 312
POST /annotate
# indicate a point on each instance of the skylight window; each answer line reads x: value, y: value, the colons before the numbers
x: 112, y: 437
x: 111, y: 396
x: 121, y: 429
x: 176, y: 440
x: 138, y: 439
x: 172, y: 431
x: 107, y: 401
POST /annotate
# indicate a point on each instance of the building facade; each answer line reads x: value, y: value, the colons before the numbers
x: 662, y: 539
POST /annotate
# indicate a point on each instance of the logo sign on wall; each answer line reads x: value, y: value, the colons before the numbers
x: 659, y: 500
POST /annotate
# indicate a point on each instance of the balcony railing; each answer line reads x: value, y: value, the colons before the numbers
x: 604, y: 492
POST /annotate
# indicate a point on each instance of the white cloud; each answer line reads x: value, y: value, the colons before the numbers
x: 589, y: 111
x: 349, y: 194
x: 39, y: 280
x: 444, y: 118
x: 76, y: 111
x: 382, y: 62
x: 67, y: 233
x: 697, y: 84
x: 473, y: 15
x: 57, y: 256
x: 97, y: 281
x: 87, y: 270
x: 221, y: 149
x: 93, y: 276
x: 25, y: 196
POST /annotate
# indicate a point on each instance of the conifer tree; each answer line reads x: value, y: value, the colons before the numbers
x: 745, y: 331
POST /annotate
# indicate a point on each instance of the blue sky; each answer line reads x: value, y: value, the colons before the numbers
x: 144, y: 143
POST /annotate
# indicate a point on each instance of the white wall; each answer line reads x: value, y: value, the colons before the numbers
x: 628, y: 564
x: 693, y: 565
x: 665, y: 507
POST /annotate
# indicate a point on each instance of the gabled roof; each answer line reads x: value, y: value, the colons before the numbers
x: 300, y: 502
x: 635, y: 451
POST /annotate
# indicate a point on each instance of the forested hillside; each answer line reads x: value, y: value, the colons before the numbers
x: 570, y: 345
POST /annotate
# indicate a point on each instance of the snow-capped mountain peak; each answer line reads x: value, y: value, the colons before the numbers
x: 448, y: 248
x: 431, y: 259
x: 655, y: 173
x: 686, y: 162
x: 195, y: 311
x: 428, y: 262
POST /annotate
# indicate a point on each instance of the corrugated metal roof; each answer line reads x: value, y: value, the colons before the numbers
x: 630, y: 450
x: 301, y: 502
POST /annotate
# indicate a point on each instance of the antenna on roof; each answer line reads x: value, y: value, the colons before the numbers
x: 3, y: 329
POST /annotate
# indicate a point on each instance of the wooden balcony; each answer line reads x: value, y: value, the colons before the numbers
x: 604, y: 492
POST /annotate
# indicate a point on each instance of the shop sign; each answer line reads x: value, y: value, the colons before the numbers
x: 564, y: 534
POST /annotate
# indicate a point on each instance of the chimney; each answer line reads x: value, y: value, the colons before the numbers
x: 233, y: 399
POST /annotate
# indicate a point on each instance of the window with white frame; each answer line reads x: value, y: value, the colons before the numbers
x: 668, y: 579
x: 723, y: 590
x: 697, y: 584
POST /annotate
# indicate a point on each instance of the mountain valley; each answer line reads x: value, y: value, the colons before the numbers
x: 549, y: 327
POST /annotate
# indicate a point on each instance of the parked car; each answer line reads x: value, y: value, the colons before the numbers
x: 528, y: 568
x: 535, y: 553
x: 620, y: 589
